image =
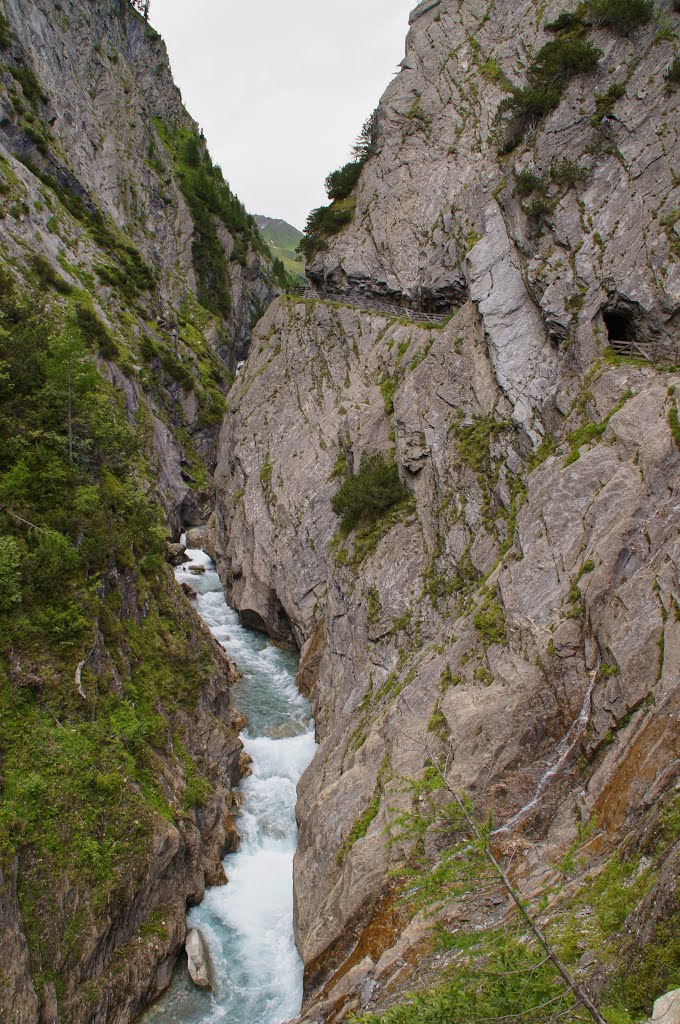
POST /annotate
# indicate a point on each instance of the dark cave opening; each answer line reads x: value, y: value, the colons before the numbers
x: 620, y: 325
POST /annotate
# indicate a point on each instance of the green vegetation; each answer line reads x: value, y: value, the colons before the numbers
x: 437, y: 724
x: 97, y: 653
x: 362, y: 824
x: 589, y: 432
x: 474, y: 440
x: 388, y: 387
x: 621, y: 15
x: 266, y: 472
x: 605, y: 102
x: 674, y: 424
x: 673, y: 74
x: 529, y: 184
x: 327, y: 221
x: 29, y: 83
x: 47, y: 276
x: 5, y: 33
x: 568, y: 173
x: 489, y: 620
x: 501, y: 972
x: 340, y: 184
x: 366, y: 496
x: 210, y: 199
x: 526, y: 183
x: 373, y: 604
x: 95, y: 333
x: 283, y: 240
x: 563, y: 58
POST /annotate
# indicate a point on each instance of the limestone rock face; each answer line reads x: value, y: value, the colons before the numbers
x: 106, y: 75
x: 90, y: 179
x: 388, y: 635
x: 516, y: 616
x: 436, y: 185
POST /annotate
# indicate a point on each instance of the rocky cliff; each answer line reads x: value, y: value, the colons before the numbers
x: 130, y: 277
x: 108, y: 179
x: 508, y: 618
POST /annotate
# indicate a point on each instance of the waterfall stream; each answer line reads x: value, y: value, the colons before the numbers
x: 248, y: 924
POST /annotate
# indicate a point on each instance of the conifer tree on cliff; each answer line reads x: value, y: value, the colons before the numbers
x: 142, y: 6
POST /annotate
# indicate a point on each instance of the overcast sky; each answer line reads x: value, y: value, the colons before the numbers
x: 281, y: 89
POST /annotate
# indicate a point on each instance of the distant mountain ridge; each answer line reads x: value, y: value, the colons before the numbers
x: 283, y: 240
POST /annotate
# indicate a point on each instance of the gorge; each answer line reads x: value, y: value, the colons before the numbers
x: 447, y: 473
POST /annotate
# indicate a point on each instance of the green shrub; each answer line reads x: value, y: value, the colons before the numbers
x: 5, y: 32
x: 325, y: 222
x: 48, y: 276
x: 674, y: 424
x: 388, y: 387
x: 673, y: 73
x: 340, y: 184
x: 567, y: 173
x: 474, y: 440
x: 621, y: 15
x: 10, y: 573
x: 490, y: 620
x: 95, y: 333
x: 605, y: 102
x: 526, y: 183
x: 370, y: 492
x: 540, y: 206
x: 562, y: 59
x: 555, y: 65
x: 567, y: 21
x: 29, y: 83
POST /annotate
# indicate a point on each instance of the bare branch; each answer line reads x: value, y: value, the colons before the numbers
x: 20, y: 520
x: 579, y: 992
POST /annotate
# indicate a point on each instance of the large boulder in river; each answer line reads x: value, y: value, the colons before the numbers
x: 203, y: 537
x: 198, y: 956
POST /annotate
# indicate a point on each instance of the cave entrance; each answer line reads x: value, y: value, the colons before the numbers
x: 620, y: 325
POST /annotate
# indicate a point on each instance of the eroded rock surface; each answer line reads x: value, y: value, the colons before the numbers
x: 518, y: 615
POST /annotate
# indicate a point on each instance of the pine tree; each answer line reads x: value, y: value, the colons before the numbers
x: 142, y: 6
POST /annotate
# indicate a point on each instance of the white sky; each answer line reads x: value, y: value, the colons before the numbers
x: 281, y: 88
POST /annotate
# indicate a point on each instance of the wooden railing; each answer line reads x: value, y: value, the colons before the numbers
x: 650, y: 351
x: 375, y: 305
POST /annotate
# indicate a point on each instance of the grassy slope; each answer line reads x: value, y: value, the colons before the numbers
x: 283, y: 240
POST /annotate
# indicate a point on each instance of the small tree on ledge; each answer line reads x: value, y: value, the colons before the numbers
x: 142, y: 6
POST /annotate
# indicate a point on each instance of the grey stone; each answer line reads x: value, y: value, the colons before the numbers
x: 667, y: 1008
x: 199, y: 961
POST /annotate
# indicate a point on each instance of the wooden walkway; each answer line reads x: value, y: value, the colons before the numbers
x: 376, y: 306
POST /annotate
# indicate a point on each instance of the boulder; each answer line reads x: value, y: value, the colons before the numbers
x: 667, y: 1008
x: 196, y: 537
x: 175, y: 554
x: 199, y: 961
x: 203, y: 537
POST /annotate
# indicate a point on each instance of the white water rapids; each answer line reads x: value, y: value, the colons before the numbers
x: 248, y: 923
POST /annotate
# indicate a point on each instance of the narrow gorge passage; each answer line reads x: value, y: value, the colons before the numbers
x: 248, y: 923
